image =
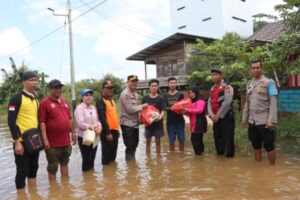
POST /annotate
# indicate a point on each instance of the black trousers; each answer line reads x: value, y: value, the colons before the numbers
x: 109, y: 148
x: 224, y: 135
x: 131, y: 141
x: 260, y: 136
x: 26, y: 167
x: 197, y: 141
x: 88, y: 154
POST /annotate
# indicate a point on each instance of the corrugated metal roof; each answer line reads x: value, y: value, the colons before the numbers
x: 143, y: 54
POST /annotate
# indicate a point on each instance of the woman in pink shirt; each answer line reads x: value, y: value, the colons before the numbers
x: 198, y: 122
x: 86, y: 117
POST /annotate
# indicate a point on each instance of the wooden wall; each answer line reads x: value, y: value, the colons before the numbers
x: 169, y: 56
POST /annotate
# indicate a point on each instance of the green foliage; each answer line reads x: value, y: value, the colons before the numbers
x: 12, y: 82
x: 3, y: 114
x: 290, y: 13
x: 231, y: 54
x: 95, y: 85
x: 261, y: 19
x: 289, y: 126
x: 277, y: 55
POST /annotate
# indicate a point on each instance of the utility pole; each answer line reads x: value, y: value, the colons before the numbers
x: 72, y: 69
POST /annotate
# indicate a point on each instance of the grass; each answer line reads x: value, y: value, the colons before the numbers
x: 289, y: 126
x: 3, y: 114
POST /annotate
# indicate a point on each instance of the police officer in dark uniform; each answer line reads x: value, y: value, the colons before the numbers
x: 220, y: 112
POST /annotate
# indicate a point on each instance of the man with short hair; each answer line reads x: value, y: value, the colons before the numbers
x: 220, y: 111
x: 23, y: 116
x: 56, y: 126
x: 156, y: 129
x: 108, y: 116
x: 175, y: 122
x: 260, y: 112
x: 129, y: 119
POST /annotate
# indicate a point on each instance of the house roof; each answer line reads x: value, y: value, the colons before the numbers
x: 269, y: 33
x: 173, y: 39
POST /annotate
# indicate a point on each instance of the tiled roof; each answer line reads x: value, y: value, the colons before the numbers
x: 269, y: 33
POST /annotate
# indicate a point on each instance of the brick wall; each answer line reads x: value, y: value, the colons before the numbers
x: 289, y: 100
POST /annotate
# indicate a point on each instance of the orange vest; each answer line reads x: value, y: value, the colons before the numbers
x: 111, y: 114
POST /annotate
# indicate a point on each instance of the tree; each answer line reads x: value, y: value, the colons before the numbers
x: 290, y: 13
x: 262, y: 19
x: 231, y: 54
x: 278, y: 57
x: 283, y: 54
x: 96, y: 86
x: 12, y: 82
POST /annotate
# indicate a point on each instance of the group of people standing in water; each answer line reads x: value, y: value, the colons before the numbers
x: 53, y: 118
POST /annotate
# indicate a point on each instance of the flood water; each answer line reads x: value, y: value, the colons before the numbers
x: 176, y: 175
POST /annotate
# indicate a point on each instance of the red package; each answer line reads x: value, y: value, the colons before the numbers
x: 149, y: 115
x: 181, y: 105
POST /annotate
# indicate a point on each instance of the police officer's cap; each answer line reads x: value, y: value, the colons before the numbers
x: 132, y: 78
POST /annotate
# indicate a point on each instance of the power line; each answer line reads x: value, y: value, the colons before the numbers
x: 121, y: 24
x: 54, y: 31
x: 78, y: 7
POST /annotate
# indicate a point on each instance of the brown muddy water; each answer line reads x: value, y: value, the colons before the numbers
x: 176, y: 175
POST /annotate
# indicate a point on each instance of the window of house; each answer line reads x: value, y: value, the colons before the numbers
x: 166, y: 69
x: 174, y: 68
x: 159, y: 72
x: 180, y: 69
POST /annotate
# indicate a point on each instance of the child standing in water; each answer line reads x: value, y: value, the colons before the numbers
x: 198, y: 122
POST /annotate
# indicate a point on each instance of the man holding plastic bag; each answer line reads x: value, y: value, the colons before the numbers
x: 175, y: 120
x: 155, y: 129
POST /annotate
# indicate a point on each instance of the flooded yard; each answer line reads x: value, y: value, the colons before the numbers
x: 170, y: 175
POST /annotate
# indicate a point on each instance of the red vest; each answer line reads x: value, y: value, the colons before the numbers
x: 217, y: 97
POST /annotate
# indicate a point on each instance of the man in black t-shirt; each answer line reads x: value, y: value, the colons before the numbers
x: 175, y: 122
x: 156, y: 129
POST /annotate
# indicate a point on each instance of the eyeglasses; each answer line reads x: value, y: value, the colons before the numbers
x: 109, y: 88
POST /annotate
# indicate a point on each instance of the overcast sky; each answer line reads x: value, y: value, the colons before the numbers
x: 102, y: 38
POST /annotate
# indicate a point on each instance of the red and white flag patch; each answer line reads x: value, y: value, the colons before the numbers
x: 11, y: 108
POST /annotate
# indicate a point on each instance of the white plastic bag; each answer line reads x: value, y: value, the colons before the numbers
x: 88, y: 137
x: 96, y: 141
